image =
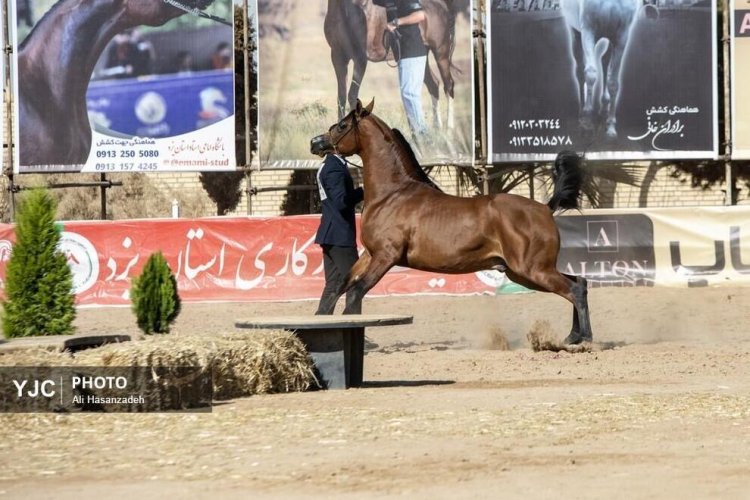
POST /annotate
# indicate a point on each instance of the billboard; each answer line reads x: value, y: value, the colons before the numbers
x: 99, y: 89
x: 316, y: 59
x: 740, y: 36
x: 643, y: 87
x: 276, y: 258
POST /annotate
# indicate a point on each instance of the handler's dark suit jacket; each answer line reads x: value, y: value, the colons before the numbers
x: 338, y: 199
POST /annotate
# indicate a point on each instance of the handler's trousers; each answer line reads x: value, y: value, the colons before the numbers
x: 337, y: 262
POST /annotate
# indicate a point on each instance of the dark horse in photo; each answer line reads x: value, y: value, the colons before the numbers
x: 354, y: 31
x: 408, y: 222
x: 55, y: 63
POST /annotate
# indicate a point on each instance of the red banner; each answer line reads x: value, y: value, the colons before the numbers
x: 220, y: 259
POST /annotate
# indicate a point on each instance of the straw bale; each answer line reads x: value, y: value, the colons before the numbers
x: 42, y: 361
x: 260, y: 362
x: 240, y: 364
x: 36, y: 356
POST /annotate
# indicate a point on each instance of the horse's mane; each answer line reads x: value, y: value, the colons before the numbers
x: 412, y: 167
x: 47, y: 14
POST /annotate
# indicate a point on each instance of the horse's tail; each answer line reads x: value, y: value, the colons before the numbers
x: 567, y: 179
x: 452, y: 14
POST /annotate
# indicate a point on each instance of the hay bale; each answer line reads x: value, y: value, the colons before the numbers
x: 260, y: 362
x: 37, y: 356
x: 165, y: 368
x: 33, y: 363
x: 241, y: 364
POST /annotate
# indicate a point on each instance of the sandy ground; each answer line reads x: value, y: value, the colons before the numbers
x: 659, y: 409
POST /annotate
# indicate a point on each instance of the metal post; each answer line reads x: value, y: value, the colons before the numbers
x: 246, y: 62
x: 103, y: 191
x: 479, y: 40
x: 9, y: 129
x: 248, y: 191
x: 730, y: 198
x: 11, y: 188
x: 532, y: 186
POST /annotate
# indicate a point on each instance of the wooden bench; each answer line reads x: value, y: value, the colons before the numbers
x: 336, y: 343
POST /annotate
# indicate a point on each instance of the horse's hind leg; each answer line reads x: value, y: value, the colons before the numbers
x: 573, y: 289
x: 581, y: 318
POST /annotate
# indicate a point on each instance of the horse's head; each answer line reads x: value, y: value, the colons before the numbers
x: 342, y: 137
x: 158, y: 12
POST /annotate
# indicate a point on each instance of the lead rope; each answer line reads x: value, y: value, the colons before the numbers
x: 197, y: 12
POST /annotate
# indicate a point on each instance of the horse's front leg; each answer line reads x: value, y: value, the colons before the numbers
x: 443, y: 58
x: 360, y: 65
x: 613, y: 85
x: 588, y: 45
x: 340, y: 64
x: 431, y: 82
x: 575, y: 36
x: 362, y: 279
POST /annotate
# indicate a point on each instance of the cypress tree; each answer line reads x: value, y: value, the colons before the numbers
x: 156, y: 302
x: 39, y: 297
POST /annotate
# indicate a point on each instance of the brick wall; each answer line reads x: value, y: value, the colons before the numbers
x: 657, y: 189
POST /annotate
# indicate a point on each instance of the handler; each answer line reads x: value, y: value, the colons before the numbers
x: 337, y: 234
x: 412, y: 60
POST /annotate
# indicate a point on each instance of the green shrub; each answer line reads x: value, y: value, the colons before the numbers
x: 39, y: 297
x: 156, y: 302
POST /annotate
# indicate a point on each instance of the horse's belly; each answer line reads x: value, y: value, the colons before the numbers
x: 452, y: 256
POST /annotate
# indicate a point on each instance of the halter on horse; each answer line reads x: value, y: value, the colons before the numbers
x: 55, y: 64
x: 406, y: 222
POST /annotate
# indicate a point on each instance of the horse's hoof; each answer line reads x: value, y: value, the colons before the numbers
x: 586, y: 124
x: 576, y: 338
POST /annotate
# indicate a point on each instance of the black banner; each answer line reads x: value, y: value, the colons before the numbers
x: 608, y: 250
x: 546, y: 96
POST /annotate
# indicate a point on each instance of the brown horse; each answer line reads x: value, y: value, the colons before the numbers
x: 354, y: 31
x: 407, y: 222
x: 55, y: 63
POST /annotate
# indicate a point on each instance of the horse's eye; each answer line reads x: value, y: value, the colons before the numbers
x: 342, y: 126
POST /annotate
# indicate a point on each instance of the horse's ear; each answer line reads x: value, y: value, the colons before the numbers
x: 370, y: 106
x: 359, y: 107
